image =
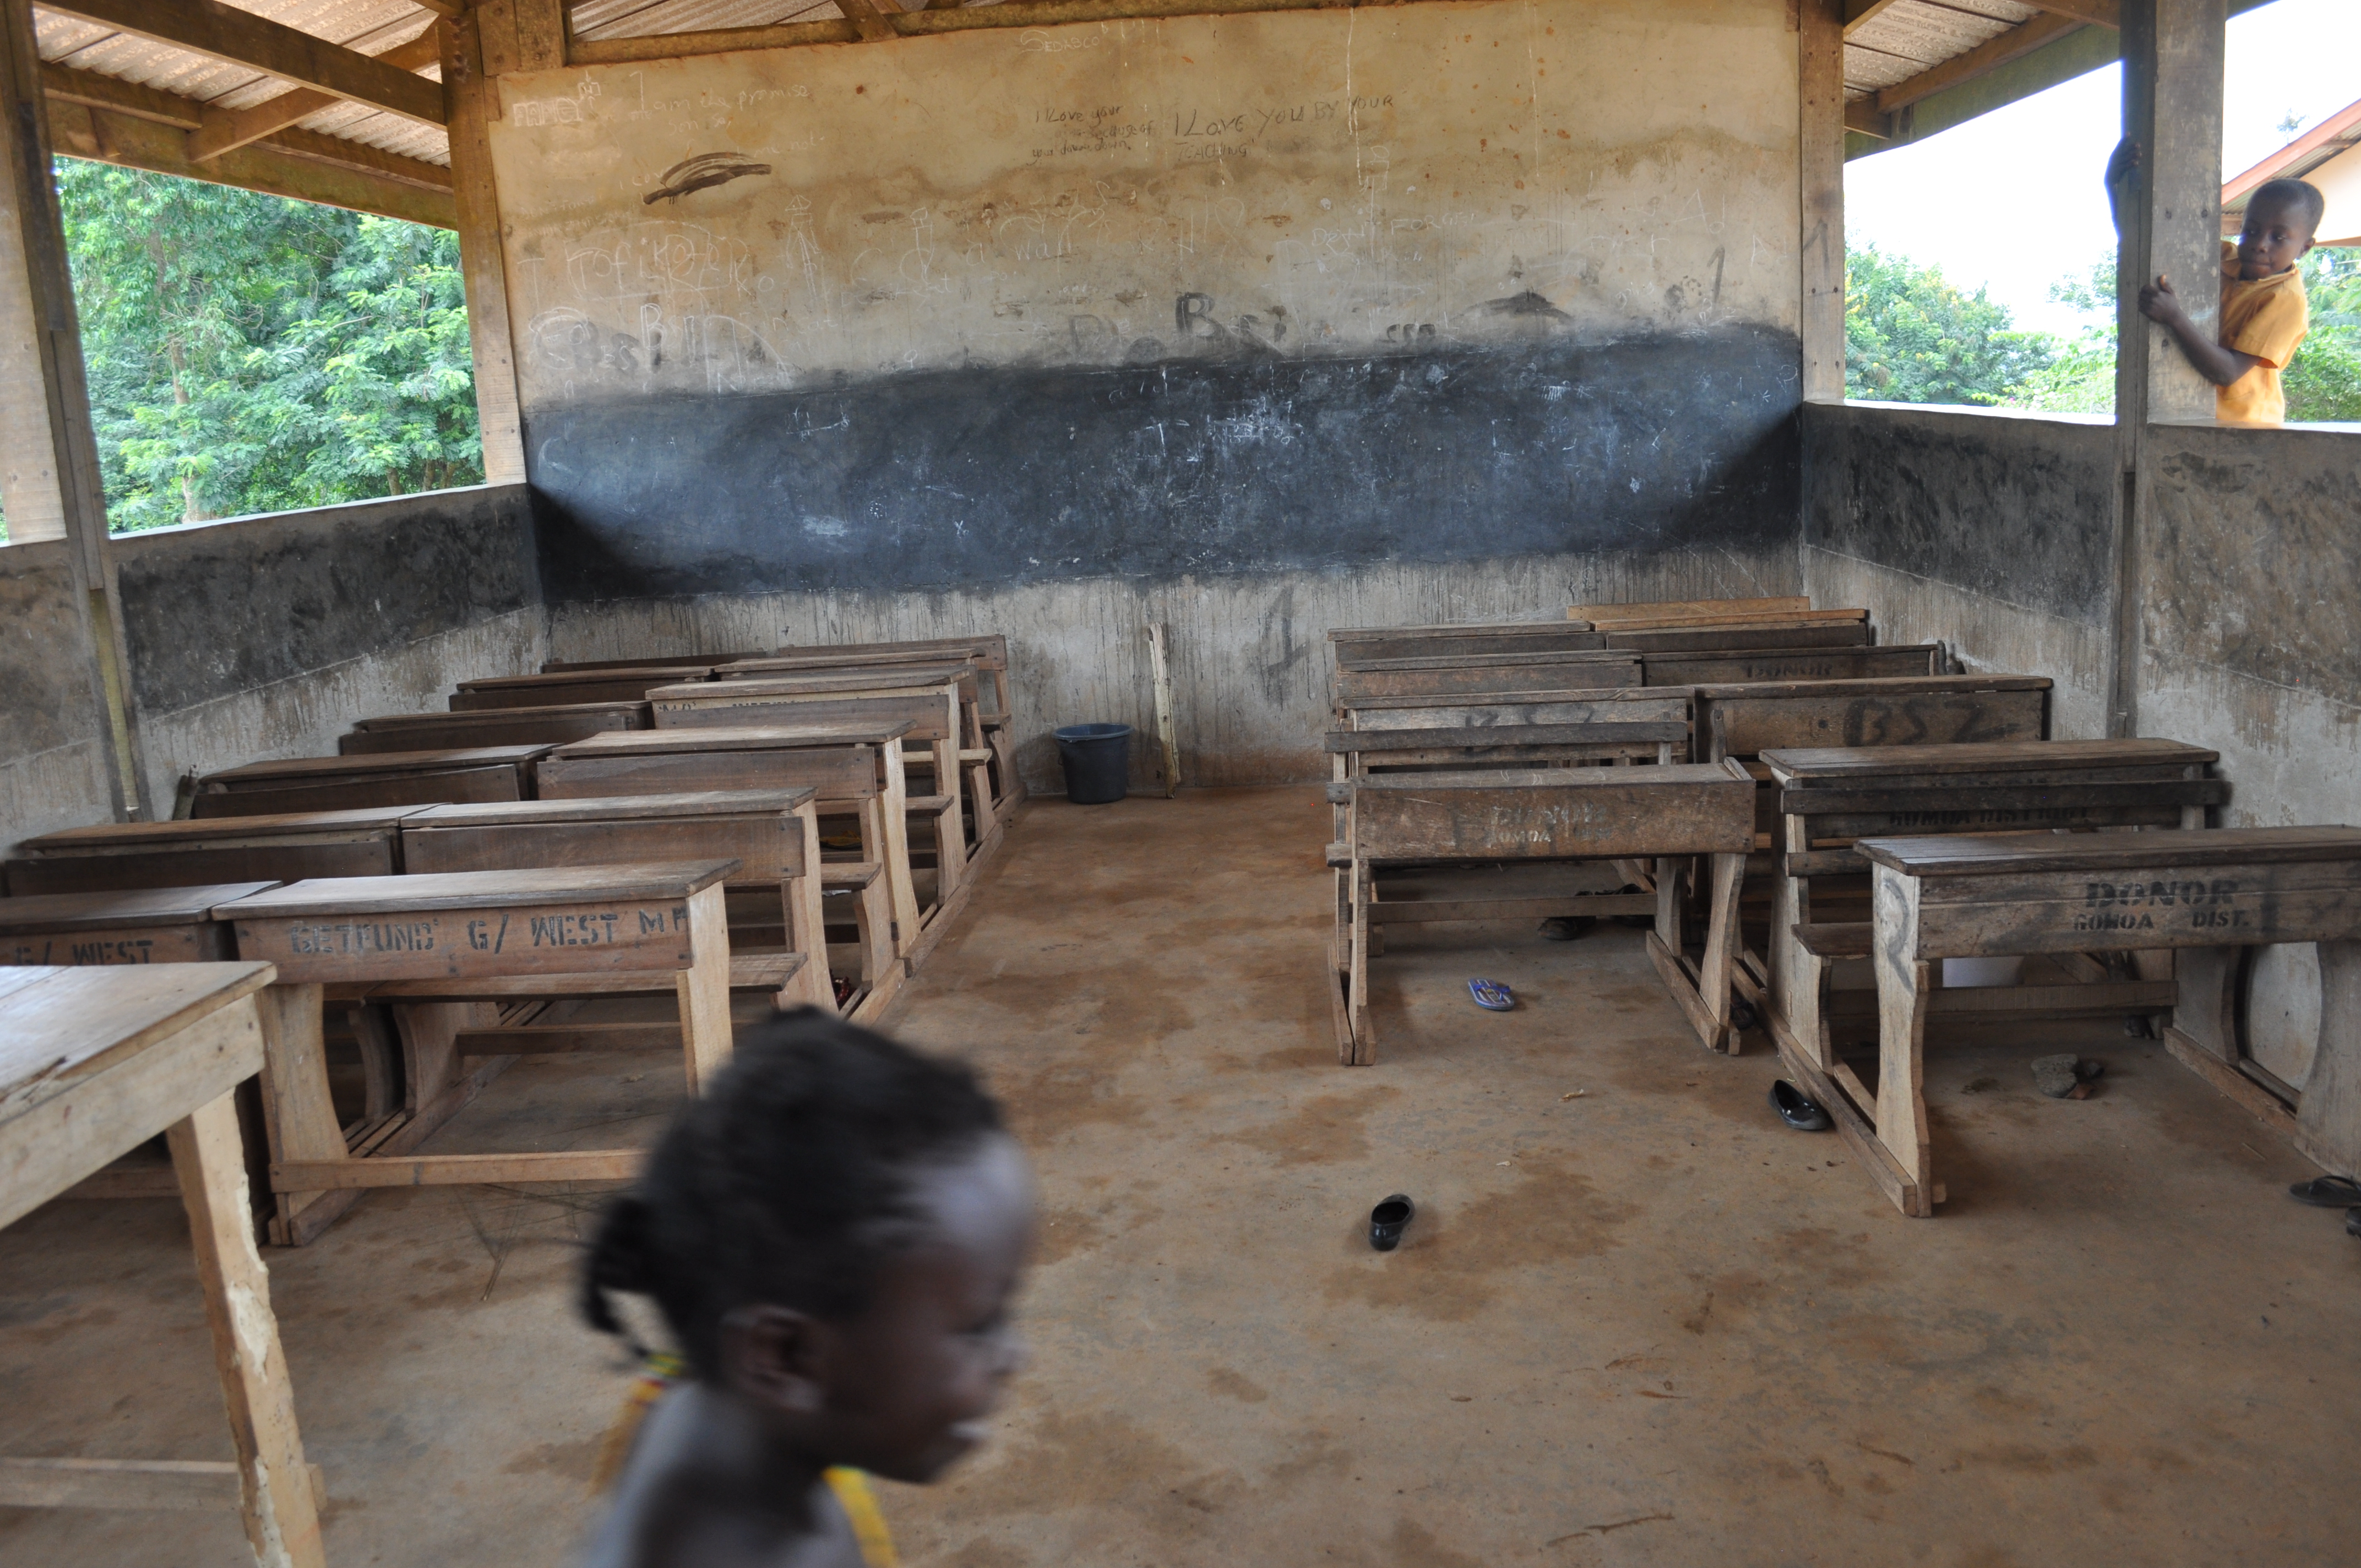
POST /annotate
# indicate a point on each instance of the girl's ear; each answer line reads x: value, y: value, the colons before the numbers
x: 775, y: 1356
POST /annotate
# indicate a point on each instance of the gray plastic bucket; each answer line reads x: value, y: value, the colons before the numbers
x: 1097, y: 759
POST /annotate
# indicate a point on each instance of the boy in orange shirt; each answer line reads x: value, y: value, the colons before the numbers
x: 2264, y: 313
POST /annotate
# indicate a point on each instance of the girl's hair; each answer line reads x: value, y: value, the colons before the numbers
x: 789, y: 1181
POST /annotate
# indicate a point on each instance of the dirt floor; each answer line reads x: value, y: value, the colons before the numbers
x: 1643, y: 1325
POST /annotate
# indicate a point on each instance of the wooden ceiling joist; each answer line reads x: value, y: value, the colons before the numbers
x: 225, y: 32
x: 98, y: 118
x: 226, y: 129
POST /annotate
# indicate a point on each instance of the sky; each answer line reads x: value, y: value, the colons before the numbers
x: 2013, y: 200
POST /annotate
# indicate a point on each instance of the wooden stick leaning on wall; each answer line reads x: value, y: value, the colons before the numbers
x: 1166, y: 734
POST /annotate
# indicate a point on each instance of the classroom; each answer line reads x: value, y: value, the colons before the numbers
x: 1002, y: 520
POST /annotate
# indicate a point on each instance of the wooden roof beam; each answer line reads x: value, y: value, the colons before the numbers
x: 2098, y: 13
x: 2021, y: 40
x: 224, y: 32
x: 225, y: 130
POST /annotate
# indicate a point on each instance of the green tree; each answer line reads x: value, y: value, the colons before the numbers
x: 2324, y: 380
x: 247, y: 353
x: 1912, y: 337
x: 2081, y: 377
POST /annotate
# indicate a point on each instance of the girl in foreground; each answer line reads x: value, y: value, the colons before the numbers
x: 832, y: 1234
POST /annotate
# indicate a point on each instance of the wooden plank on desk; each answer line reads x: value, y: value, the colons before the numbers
x: 1673, y: 610
x: 1748, y: 634
x: 2120, y: 854
x: 1756, y: 665
x: 508, y: 727
x: 1631, y: 706
x: 1564, y: 813
x: 456, y: 1170
x: 1425, y: 738
x: 1741, y: 721
x: 1815, y: 762
x: 846, y: 772
x: 427, y: 788
x: 757, y: 827
x: 825, y: 732
x: 929, y: 715
x: 1356, y: 688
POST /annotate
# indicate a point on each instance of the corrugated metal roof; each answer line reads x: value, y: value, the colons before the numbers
x: 1912, y: 36
x: 370, y: 27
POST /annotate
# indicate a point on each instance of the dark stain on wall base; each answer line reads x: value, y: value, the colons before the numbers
x: 213, y: 608
x: 44, y: 653
x: 986, y: 477
x: 2018, y: 509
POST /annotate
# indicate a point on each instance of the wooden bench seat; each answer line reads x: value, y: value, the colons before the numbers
x: 1355, y: 647
x: 149, y: 926
x: 373, y: 779
x: 1745, y: 635
x: 1487, y: 675
x: 1835, y: 939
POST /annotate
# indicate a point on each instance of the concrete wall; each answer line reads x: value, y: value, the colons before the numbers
x: 1989, y: 532
x: 53, y: 743
x: 265, y: 637
x: 1287, y: 319
x: 1984, y: 531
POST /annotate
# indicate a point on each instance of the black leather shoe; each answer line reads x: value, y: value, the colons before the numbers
x: 1741, y: 1015
x: 1798, y: 1110
x: 1387, y: 1220
x: 1567, y: 927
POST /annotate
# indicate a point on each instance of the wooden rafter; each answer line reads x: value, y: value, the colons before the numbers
x: 224, y: 32
x: 227, y: 128
x: 123, y: 122
x: 2021, y: 40
x: 918, y: 23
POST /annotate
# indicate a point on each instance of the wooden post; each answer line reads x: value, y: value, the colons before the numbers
x: 1160, y: 665
x: 1822, y: 139
x: 50, y: 482
x: 473, y: 102
x: 282, y: 1524
x: 2172, y: 52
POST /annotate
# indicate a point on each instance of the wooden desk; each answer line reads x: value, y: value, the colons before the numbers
x: 628, y: 684
x: 1746, y: 719
x: 461, y: 938
x: 1664, y: 813
x: 1364, y: 644
x: 853, y: 768
x: 927, y: 698
x: 553, y: 725
x: 287, y: 847
x: 1714, y: 638
x: 93, y: 1062
x: 154, y: 926
x: 1820, y: 934
x: 989, y: 650
x: 1729, y: 666
x: 2047, y: 893
x: 773, y: 835
x: 1359, y: 683
x: 1775, y: 611
x: 981, y: 748
x: 376, y: 779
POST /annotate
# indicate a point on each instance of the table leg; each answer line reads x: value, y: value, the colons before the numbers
x: 807, y: 922
x: 282, y: 1525
x: 950, y: 837
x: 1903, y: 984
x: 297, y: 1112
x: 1365, y: 1045
x: 704, y: 989
x: 1668, y: 904
x: 891, y: 812
x: 1720, y: 942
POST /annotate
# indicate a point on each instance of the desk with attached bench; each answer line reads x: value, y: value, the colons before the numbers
x: 2207, y: 889
x: 1664, y: 813
x: 461, y: 939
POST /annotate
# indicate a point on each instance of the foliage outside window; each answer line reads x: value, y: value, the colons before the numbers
x: 249, y: 353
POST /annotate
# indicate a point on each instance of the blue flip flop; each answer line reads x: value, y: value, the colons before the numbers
x: 1491, y: 995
